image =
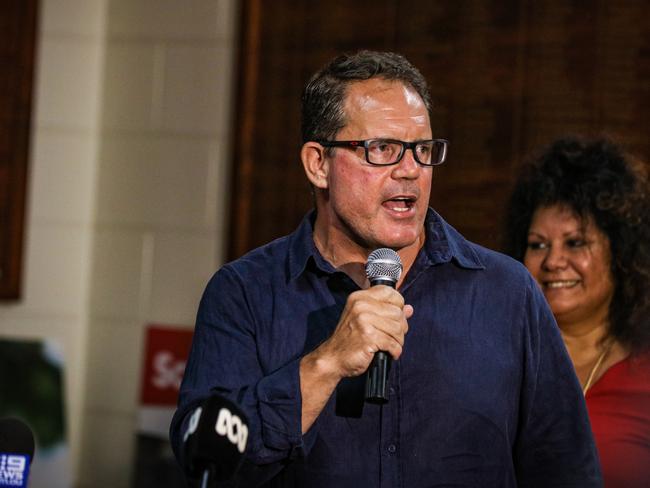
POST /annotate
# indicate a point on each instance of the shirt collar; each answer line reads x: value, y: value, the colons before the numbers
x: 443, y: 244
x: 302, y: 249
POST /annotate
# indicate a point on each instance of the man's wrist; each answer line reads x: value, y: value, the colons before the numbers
x: 319, y: 367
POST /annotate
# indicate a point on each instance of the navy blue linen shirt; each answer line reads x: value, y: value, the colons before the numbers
x: 484, y: 393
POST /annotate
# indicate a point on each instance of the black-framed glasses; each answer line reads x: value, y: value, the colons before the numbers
x: 385, y: 152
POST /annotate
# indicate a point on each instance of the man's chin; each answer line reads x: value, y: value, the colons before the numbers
x: 400, y: 241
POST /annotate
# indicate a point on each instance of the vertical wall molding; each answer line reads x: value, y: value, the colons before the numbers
x: 17, y: 57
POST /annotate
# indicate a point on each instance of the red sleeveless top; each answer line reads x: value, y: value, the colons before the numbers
x: 619, y: 410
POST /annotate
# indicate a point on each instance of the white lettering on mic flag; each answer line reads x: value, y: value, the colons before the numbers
x: 233, y: 428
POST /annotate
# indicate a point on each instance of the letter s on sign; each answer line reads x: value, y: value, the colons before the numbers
x: 168, y: 371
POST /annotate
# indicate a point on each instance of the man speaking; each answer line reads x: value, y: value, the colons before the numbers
x: 480, y: 391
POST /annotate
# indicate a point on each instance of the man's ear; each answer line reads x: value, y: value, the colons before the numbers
x: 315, y: 164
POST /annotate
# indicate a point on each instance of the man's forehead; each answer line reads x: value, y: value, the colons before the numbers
x: 380, y: 99
x: 375, y: 88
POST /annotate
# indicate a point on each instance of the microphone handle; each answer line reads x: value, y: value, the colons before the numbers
x: 205, y: 478
x: 376, y: 390
x: 377, y: 380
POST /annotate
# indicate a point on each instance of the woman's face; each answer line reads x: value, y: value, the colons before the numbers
x: 570, y: 259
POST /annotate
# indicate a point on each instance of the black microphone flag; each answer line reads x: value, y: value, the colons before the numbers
x: 16, y: 452
x: 215, y: 440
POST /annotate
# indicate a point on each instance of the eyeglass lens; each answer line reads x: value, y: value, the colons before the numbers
x: 389, y: 152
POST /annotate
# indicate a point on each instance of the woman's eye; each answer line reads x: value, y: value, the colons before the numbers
x: 576, y: 242
x: 536, y: 246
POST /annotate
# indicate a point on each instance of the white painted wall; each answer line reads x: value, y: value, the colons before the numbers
x: 126, y: 199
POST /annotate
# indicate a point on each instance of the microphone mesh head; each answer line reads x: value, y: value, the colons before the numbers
x: 384, y: 264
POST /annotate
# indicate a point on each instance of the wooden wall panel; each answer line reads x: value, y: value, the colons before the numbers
x: 506, y: 76
x: 17, y: 41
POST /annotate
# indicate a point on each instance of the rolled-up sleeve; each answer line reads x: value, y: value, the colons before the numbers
x: 224, y: 359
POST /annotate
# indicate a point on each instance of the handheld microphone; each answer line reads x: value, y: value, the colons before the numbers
x: 215, y: 440
x: 16, y: 452
x: 383, y: 267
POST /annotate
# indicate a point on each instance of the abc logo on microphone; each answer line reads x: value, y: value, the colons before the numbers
x: 228, y: 425
x: 215, y: 439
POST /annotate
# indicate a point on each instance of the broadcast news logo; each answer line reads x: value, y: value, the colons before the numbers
x: 228, y: 425
x: 13, y: 469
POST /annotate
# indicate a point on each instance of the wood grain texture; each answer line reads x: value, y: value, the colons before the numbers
x: 17, y: 46
x: 506, y: 77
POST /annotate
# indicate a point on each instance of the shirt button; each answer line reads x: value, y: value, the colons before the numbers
x: 392, y: 448
x: 391, y: 390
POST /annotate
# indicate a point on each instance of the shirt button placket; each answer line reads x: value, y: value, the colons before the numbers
x: 390, y: 434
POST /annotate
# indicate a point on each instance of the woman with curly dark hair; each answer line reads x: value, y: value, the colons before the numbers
x: 579, y: 219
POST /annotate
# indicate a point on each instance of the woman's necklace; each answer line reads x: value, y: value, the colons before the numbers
x: 594, y: 370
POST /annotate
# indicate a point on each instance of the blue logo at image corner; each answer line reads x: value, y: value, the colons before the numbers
x: 14, y: 469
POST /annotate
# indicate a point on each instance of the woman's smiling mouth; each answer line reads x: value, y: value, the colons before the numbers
x: 561, y: 284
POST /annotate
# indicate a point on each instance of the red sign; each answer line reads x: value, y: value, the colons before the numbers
x: 166, y: 353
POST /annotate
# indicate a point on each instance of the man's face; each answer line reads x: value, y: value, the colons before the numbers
x: 378, y: 206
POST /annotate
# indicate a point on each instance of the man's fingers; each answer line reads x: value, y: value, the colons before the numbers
x: 386, y: 294
x: 373, y: 320
x: 408, y: 311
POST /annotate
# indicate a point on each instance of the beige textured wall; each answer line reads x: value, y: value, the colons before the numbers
x: 160, y: 203
x: 61, y: 187
x: 127, y: 199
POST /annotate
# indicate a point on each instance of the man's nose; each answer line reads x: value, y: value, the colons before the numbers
x: 407, y: 167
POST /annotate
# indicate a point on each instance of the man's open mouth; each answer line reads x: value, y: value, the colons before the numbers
x: 400, y: 204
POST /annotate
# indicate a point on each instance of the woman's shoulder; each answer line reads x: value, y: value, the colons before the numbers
x: 633, y: 369
x: 640, y: 362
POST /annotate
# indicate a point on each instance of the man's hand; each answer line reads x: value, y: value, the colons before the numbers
x: 372, y: 320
